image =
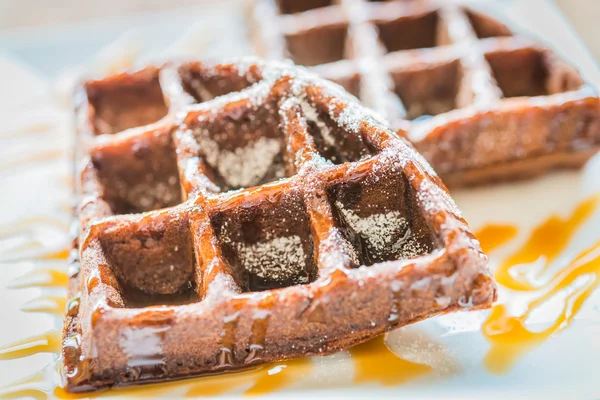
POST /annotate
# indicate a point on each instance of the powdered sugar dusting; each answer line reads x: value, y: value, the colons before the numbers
x: 278, y: 259
x: 384, y: 233
x: 303, y: 160
x: 244, y: 166
x: 148, y: 195
x: 311, y: 114
x: 336, y: 251
x: 434, y: 198
x: 354, y: 114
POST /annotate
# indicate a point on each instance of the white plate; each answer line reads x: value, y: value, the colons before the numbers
x: 33, y: 99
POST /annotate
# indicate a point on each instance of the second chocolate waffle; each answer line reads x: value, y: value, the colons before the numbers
x: 481, y: 103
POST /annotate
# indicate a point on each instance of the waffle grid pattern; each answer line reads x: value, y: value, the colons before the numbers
x: 343, y: 233
x: 437, y: 69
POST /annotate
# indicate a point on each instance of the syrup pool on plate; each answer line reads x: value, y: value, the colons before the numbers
x: 509, y: 335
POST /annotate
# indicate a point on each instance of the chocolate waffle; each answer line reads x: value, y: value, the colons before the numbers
x: 236, y: 214
x: 480, y: 103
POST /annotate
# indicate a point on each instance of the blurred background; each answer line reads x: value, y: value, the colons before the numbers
x: 35, y: 29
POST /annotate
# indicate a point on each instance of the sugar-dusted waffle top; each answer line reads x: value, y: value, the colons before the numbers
x: 240, y: 213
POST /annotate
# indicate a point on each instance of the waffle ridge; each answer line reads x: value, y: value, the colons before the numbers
x: 253, y: 213
x: 481, y: 103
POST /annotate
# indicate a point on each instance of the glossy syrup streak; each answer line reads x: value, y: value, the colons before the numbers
x: 33, y: 240
x: 375, y: 362
x: 493, y: 236
x: 55, y: 305
x: 47, y: 342
x: 45, y: 275
x: 509, y: 335
x: 545, y: 243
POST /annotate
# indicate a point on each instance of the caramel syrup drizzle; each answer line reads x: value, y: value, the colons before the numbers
x: 493, y: 236
x: 55, y: 305
x: 265, y: 380
x: 55, y: 255
x: 509, y: 336
x: 44, y: 276
x: 20, y: 240
x: 545, y: 242
x: 47, y: 342
x: 37, y: 385
x: 374, y: 361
